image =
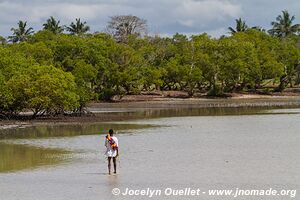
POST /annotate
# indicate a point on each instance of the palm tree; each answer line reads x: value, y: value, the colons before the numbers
x: 78, y: 28
x: 283, y: 26
x: 240, y: 26
x: 21, y: 33
x: 53, y: 25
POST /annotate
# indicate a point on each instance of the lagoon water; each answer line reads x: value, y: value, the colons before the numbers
x: 197, y: 149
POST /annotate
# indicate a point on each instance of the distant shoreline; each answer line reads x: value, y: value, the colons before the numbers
x: 106, y: 111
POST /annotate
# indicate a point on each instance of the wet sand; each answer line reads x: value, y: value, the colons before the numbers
x: 206, y: 152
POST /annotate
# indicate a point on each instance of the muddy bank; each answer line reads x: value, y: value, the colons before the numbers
x: 153, y: 106
x: 149, y: 101
x: 171, y: 95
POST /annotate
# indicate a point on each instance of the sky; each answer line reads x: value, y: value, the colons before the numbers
x: 164, y: 17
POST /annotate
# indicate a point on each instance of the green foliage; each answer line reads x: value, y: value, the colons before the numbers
x: 51, y: 73
x: 107, y: 93
x: 265, y: 63
x: 6, y: 98
x: 44, y: 89
x: 85, y: 74
x: 37, y: 51
x: 215, y: 91
x: 44, y: 36
x: 11, y: 62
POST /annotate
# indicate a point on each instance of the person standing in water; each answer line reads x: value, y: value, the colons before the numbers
x: 112, y: 150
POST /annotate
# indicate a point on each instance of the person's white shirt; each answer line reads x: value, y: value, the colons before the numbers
x: 110, y: 152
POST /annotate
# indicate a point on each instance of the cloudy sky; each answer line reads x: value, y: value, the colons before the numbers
x: 165, y: 17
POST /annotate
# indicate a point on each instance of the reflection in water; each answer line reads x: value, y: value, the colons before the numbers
x: 69, y: 130
x: 17, y: 157
x: 113, y: 181
x: 191, y: 111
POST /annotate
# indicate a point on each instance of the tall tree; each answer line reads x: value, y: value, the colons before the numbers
x: 21, y: 33
x: 241, y: 26
x: 78, y: 28
x: 283, y: 26
x: 53, y: 25
x: 122, y: 26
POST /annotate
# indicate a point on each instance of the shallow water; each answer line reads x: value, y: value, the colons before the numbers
x: 18, y: 157
x: 218, y: 150
x: 66, y: 130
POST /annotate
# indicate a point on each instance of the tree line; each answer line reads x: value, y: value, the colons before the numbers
x: 51, y: 72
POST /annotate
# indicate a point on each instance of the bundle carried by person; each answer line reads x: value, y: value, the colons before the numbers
x: 111, y: 142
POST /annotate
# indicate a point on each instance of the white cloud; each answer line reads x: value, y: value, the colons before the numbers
x: 200, y: 13
x: 159, y: 13
x: 163, y: 16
